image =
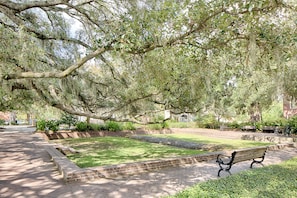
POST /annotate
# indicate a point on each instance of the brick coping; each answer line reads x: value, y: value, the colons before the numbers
x: 84, y: 134
x: 72, y: 173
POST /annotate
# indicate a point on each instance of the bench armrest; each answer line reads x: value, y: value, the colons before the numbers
x: 223, y: 159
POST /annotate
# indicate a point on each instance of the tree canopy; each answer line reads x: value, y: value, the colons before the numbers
x: 127, y: 59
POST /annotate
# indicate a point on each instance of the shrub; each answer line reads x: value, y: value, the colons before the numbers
x: 154, y: 126
x: 165, y: 125
x: 210, y: 125
x: 41, y: 125
x: 176, y: 124
x: 208, y: 121
x: 53, y: 125
x: 247, y: 124
x: 2, y: 122
x: 102, y: 127
x: 233, y: 125
x: 96, y: 127
x: 292, y: 122
x: 82, y: 126
x: 44, y: 125
x: 93, y: 127
x: 129, y: 126
x: 68, y: 119
x: 113, y: 126
x: 14, y: 122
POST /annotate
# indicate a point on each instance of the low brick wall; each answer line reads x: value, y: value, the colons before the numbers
x: 72, y: 173
x: 267, y: 138
x: 76, y: 134
x: 152, y: 165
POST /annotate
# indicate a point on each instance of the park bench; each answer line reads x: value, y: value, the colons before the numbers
x: 226, y: 161
x: 249, y: 128
x: 268, y: 129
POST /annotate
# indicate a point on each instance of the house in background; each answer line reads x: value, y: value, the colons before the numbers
x: 17, y: 118
x: 8, y: 117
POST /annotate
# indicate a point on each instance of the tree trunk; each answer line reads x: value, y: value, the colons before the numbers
x: 255, y: 112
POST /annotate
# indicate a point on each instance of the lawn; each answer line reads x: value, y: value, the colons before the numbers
x: 115, y: 150
x: 271, y: 181
x: 222, y: 144
x: 102, y: 151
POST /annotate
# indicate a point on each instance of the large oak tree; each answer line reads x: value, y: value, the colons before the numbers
x: 126, y: 59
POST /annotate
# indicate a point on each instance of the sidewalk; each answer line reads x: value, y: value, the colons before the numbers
x: 26, y: 171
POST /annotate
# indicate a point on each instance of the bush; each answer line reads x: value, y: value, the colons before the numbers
x: 44, y: 125
x: 292, y: 122
x: 165, y: 125
x: 82, y: 126
x: 274, y: 123
x: 53, y: 125
x: 176, y: 124
x: 208, y: 121
x: 102, y: 127
x: 93, y: 127
x: 2, y: 122
x: 41, y: 125
x: 209, y: 125
x: 129, y: 126
x: 109, y: 126
x: 68, y: 119
x: 113, y: 126
x: 247, y: 124
x: 96, y: 127
x: 233, y: 125
x: 154, y: 126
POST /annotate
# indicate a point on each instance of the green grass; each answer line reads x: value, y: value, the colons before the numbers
x: 274, y: 181
x: 102, y: 151
x: 115, y: 150
x: 219, y: 143
x: 172, y: 124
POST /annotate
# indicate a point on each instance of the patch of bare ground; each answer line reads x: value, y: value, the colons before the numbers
x: 216, y: 133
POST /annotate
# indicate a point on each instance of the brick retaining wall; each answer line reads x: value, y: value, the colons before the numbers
x: 72, y: 173
x: 76, y: 134
x: 268, y: 138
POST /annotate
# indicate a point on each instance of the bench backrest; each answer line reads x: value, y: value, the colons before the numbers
x: 248, y: 154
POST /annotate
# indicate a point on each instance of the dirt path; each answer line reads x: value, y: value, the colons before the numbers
x: 216, y: 133
x: 26, y: 171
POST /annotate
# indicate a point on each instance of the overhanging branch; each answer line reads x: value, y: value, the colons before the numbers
x: 58, y: 74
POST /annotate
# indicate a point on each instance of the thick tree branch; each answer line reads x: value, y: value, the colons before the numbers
x: 19, y: 22
x: 58, y: 74
x: 19, y: 7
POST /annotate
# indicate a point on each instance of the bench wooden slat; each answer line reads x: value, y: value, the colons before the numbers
x: 248, y: 155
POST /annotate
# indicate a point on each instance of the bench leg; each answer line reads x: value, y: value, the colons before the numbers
x: 224, y: 170
x: 227, y: 169
x: 257, y: 161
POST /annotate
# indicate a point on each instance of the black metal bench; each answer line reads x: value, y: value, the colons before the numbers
x: 249, y: 128
x: 268, y: 129
x: 226, y: 161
